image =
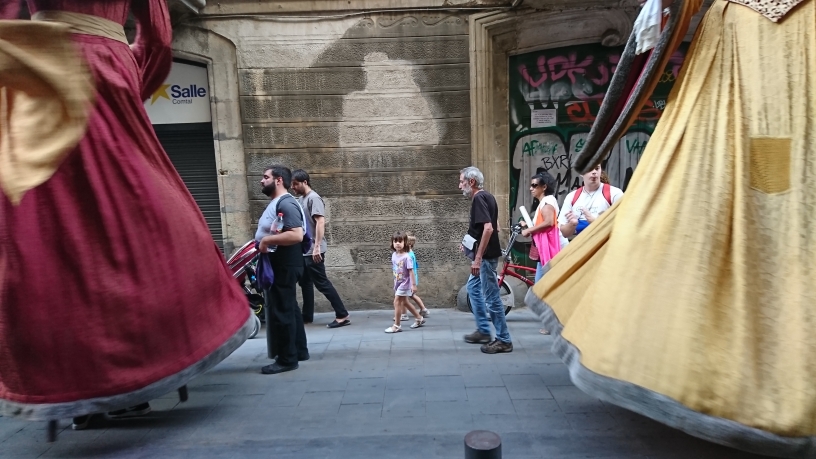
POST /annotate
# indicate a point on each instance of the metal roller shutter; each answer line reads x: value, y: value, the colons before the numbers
x: 191, y: 150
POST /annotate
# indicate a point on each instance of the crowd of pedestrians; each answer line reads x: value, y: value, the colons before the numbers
x: 552, y: 225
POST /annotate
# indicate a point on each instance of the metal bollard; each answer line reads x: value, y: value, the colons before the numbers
x: 53, y: 425
x: 183, y: 394
x: 482, y: 444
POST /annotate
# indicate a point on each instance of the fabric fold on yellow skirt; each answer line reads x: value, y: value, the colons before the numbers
x: 691, y: 301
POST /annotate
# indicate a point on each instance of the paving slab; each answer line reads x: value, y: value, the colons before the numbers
x: 369, y: 395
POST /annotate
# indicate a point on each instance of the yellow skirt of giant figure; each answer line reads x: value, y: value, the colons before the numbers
x: 693, y: 300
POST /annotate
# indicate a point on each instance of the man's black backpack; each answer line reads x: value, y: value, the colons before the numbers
x: 308, y: 240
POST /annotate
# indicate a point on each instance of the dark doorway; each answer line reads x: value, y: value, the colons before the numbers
x: 190, y: 147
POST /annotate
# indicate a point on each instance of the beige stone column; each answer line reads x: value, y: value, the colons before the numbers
x: 218, y: 53
x: 491, y: 36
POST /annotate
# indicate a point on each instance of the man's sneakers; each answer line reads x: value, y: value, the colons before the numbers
x: 301, y: 357
x: 497, y: 347
x: 477, y: 337
x: 336, y: 324
x: 488, y: 347
x: 133, y: 411
x: 276, y: 368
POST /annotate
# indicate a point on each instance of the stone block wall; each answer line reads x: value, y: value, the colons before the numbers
x: 377, y: 109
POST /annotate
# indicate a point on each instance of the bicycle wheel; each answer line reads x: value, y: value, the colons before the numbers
x: 506, y: 295
x: 256, y: 327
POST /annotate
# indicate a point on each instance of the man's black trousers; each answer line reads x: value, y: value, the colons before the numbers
x: 314, y: 275
x: 285, y: 335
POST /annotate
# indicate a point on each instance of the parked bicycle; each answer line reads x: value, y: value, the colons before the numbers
x: 510, y: 269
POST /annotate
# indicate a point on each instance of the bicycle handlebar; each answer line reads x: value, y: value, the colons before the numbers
x: 515, y: 231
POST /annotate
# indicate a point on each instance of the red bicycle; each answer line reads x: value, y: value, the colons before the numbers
x: 512, y: 270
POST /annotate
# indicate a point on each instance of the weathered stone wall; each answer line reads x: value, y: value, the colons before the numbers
x: 382, y: 109
x: 377, y: 109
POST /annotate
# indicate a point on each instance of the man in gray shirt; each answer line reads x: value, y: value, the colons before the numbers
x: 314, y: 274
x: 286, y: 337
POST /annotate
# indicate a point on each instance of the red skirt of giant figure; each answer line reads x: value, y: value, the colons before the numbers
x: 112, y: 291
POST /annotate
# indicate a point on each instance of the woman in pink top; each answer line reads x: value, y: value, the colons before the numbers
x: 545, y: 230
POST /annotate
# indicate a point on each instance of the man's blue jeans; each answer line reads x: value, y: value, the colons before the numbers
x: 484, y: 297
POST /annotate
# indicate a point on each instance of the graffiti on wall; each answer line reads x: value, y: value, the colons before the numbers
x: 554, y: 98
x: 553, y: 152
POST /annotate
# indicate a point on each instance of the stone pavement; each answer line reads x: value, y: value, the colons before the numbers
x: 365, y: 394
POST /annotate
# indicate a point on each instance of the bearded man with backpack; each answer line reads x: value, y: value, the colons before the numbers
x: 284, y: 246
x: 582, y: 206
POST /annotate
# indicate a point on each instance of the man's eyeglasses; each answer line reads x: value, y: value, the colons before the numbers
x: 535, y: 185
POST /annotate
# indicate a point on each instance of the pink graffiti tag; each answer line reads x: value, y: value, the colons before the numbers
x: 613, y: 61
x: 542, y: 69
x: 596, y: 69
x: 676, y: 61
x: 561, y: 65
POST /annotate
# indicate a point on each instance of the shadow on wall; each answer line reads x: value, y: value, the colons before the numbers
x: 405, y: 132
x: 382, y: 123
x: 396, y: 115
x: 378, y: 122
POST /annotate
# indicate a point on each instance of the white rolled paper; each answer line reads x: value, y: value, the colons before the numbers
x: 526, y: 217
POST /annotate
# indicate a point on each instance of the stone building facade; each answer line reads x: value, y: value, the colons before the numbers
x: 383, y: 102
